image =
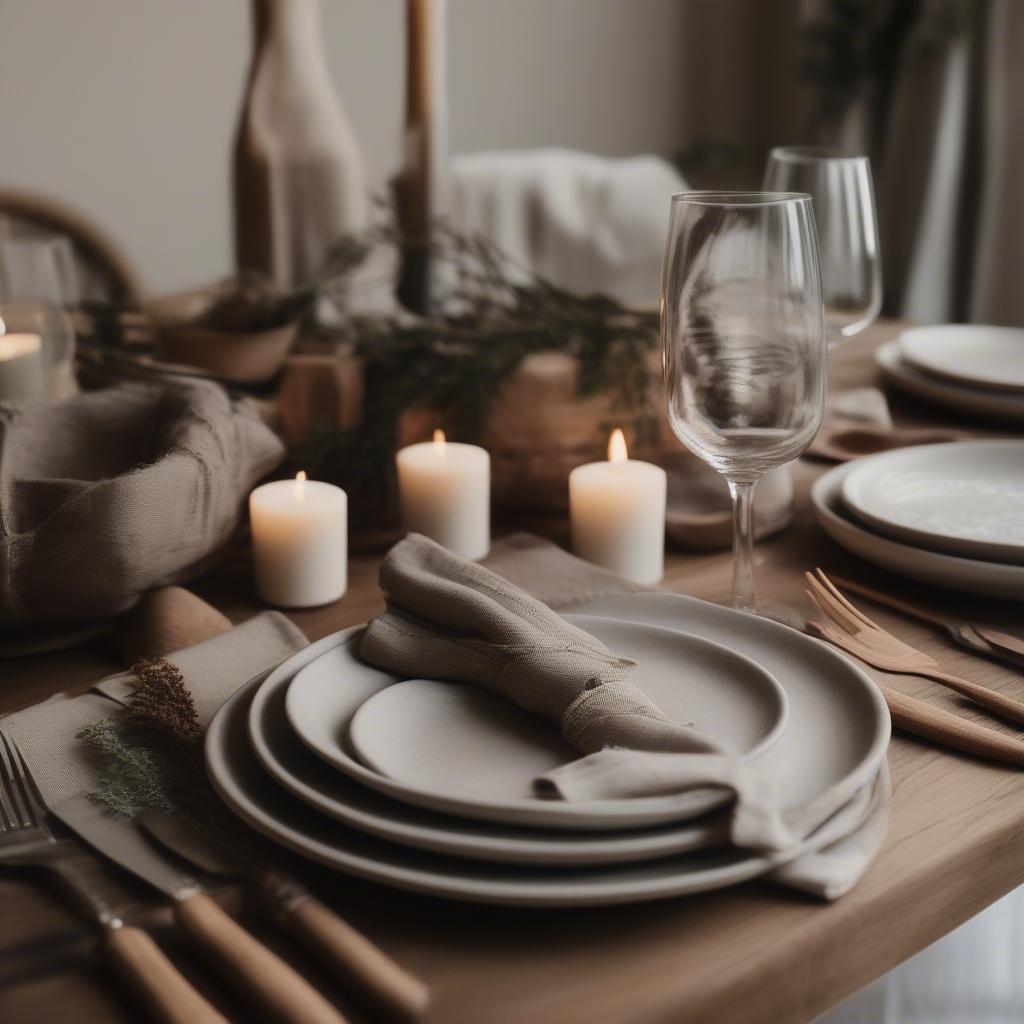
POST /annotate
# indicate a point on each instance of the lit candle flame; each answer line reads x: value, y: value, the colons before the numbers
x: 439, y: 442
x: 3, y: 328
x: 617, y: 447
x: 300, y: 485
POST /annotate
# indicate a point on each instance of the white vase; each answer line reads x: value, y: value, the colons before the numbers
x: 299, y: 179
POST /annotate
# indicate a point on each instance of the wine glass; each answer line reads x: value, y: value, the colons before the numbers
x: 844, y: 208
x: 742, y: 331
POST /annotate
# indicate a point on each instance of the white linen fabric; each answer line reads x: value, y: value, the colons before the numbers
x: 586, y: 223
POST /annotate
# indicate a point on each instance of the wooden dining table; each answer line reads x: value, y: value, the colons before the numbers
x: 752, y: 954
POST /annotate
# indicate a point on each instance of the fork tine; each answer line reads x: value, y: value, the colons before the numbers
x: 846, y: 603
x: 36, y: 803
x: 831, y: 608
x: 19, y: 817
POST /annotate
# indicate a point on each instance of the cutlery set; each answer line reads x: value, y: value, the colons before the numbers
x: 846, y: 627
x: 28, y: 838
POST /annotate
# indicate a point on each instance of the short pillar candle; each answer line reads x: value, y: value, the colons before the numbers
x: 444, y: 492
x: 617, y: 509
x: 300, y: 542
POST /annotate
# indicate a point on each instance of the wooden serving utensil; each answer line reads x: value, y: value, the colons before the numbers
x: 849, y: 628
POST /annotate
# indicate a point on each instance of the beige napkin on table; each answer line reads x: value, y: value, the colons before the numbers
x: 212, y: 670
x: 449, y: 618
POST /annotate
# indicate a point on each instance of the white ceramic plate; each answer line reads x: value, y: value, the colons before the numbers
x: 986, y: 403
x: 965, y: 498
x: 324, y: 696
x: 312, y: 780
x: 840, y: 731
x: 462, y: 742
x: 990, y: 579
x: 972, y: 354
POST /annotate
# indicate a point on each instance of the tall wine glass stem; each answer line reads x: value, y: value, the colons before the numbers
x: 743, y: 596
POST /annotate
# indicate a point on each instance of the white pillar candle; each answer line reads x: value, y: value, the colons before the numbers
x: 21, y: 366
x: 444, y: 492
x: 617, y: 510
x: 300, y: 542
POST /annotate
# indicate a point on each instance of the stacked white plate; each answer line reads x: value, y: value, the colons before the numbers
x: 950, y: 515
x: 967, y: 368
x: 425, y: 785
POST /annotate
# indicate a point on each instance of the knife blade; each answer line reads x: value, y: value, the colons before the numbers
x: 382, y: 983
x: 275, y: 989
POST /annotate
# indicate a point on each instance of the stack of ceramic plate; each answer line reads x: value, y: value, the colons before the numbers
x: 962, y: 367
x: 950, y: 515
x: 426, y: 785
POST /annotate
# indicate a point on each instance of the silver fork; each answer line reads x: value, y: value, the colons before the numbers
x: 27, y: 841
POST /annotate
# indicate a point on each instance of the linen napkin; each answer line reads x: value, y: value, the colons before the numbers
x: 449, y: 618
x: 837, y: 845
x: 212, y: 670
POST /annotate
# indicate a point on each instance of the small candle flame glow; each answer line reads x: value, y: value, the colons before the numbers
x: 3, y: 328
x: 617, y: 447
x: 439, y: 442
x: 300, y: 485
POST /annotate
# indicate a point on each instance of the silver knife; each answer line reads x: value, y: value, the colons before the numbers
x: 277, y: 991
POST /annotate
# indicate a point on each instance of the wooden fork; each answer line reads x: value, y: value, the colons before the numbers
x: 856, y: 634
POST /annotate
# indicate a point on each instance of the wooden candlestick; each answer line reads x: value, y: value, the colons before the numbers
x: 419, y: 188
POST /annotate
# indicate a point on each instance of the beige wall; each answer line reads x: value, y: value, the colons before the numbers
x: 126, y: 107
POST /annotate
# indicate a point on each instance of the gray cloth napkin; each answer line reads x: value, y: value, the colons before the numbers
x: 837, y: 847
x: 113, y: 492
x: 449, y: 618
x: 212, y: 670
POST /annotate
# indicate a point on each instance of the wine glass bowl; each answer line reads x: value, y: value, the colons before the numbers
x: 743, y: 339
x: 841, y: 190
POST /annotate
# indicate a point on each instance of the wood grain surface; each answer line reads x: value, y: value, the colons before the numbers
x: 749, y: 955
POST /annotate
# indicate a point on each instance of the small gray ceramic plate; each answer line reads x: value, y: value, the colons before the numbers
x: 456, y: 749
x: 462, y: 742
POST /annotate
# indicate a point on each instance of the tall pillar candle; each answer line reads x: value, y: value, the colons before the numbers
x: 300, y: 542
x: 617, y: 509
x: 444, y: 491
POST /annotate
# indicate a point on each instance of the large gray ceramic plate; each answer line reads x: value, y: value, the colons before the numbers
x: 840, y: 731
x: 964, y: 498
x: 991, y: 579
x: 312, y: 780
x: 990, y: 404
x: 457, y: 749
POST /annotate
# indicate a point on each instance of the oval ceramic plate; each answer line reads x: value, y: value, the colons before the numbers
x: 459, y: 741
x: 966, y: 498
x: 972, y: 354
x: 833, y: 743
x: 990, y: 579
x: 974, y: 401
x: 723, y: 694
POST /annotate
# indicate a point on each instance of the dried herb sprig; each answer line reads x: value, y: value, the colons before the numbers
x: 150, y: 754
x: 131, y: 776
x: 495, y: 314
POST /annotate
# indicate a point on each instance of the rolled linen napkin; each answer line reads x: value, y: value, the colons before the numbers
x: 449, y: 618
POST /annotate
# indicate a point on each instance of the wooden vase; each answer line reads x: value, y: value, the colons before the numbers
x: 299, y: 179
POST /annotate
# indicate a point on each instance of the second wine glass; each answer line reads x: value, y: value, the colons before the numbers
x: 840, y: 188
x: 743, y: 341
